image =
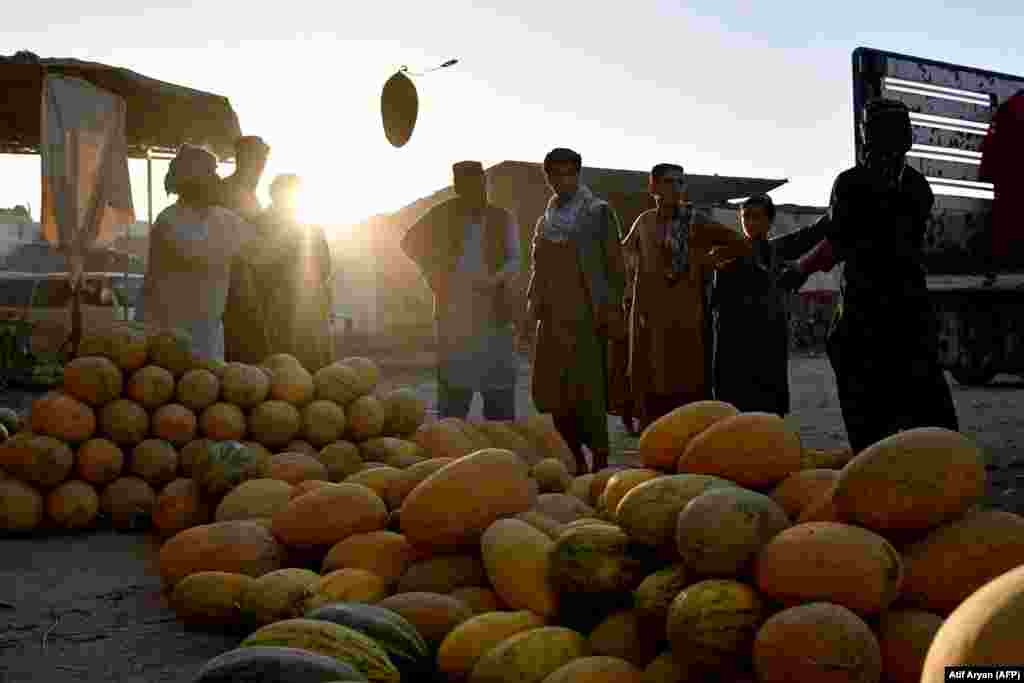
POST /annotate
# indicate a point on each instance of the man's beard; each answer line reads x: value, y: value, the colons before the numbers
x: 887, y: 165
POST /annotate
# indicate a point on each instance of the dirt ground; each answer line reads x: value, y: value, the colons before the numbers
x: 88, y: 608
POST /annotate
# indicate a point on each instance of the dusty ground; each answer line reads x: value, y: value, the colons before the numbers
x: 87, y: 607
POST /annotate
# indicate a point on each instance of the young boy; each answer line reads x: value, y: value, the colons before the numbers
x: 751, y: 365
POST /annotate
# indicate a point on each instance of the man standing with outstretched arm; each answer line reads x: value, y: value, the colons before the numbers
x: 883, y: 341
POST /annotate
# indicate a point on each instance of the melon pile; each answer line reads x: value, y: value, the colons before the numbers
x: 120, y: 438
x: 732, y: 554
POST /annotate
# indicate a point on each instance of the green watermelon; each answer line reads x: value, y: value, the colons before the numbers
x: 323, y: 637
x: 400, y: 639
x: 275, y: 665
x: 223, y: 465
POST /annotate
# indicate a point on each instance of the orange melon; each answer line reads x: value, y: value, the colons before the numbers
x: 800, y: 489
x: 379, y: 479
x: 665, y: 439
x: 832, y: 562
x: 295, y: 467
x: 822, y: 509
x: 756, y: 450
x: 274, y: 423
x: 197, y: 390
x: 128, y: 347
x: 463, y: 647
x: 150, y: 386
x: 99, y: 461
x: 223, y: 422
x: 179, y: 506
x: 73, y: 505
x: 911, y: 481
x: 818, y: 642
x: 329, y: 515
x: 956, y: 559
x: 42, y: 461
x: 63, y: 417
x: 432, y: 614
x: 245, y: 386
x: 94, y: 380
x: 904, y: 636
x: 306, y: 486
x: 323, y: 422
x: 124, y: 422
x: 411, y: 478
x: 241, y: 547
x: 348, y: 585
x: 154, y: 461
x: 455, y: 505
x: 622, y: 482
x: 174, y: 423
x: 128, y: 502
x: 517, y: 559
x: 21, y: 506
x: 443, y: 439
x: 984, y: 630
x: 384, y: 553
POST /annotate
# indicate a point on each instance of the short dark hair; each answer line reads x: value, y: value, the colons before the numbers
x: 660, y: 170
x: 761, y: 201
x: 467, y: 168
x: 562, y: 155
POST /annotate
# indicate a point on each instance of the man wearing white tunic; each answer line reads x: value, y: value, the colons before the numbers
x: 468, y: 251
x: 191, y: 247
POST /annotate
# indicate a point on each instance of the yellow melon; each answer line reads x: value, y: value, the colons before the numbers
x: 210, y: 598
x: 469, y: 641
x: 171, y: 349
x: 21, y: 506
x: 904, y: 636
x: 384, y: 553
x: 154, y: 461
x: 530, y: 656
x: 94, y: 380
x: 341, y: 459
x: 367, y: 373
x: 254, y: 498
x: 246, y: 386
x: 800, y: 489
x: 551, y: 475
x: 124, y: 422
x: 755, y: 450
x: 300, y: 446
x: 128, y: 502
x: 293, y: 384
x: 517, y: 559
x: 42, y: 461
x: 337, y: 382
x: 323, y: 422
x: 330, y: 514
x: 278, y: 595
x: 274, y: 423
x: 295, y: 467
x: 347, y: 585
x: 179, y: 506
x: 150, y: 386
x: 405, y: 411
x: 365, y: 418
x: 197, y: 389
x: 73, y: 505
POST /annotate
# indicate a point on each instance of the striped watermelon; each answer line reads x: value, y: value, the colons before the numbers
x: 400, y: 639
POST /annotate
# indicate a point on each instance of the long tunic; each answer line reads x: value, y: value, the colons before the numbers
x: 883, y: 341
x: 667, y: 320
x: 292, y: 276
x: 751, y: 362
x: 574, y: 287
x: 188, y: 272
x: 1001, y: 153
x: 477, y: 346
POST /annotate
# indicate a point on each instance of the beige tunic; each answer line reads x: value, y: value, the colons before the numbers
x: 667, y: 320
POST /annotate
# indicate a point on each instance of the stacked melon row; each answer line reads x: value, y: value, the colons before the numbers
x: 733, y: 554
x: 121, y: 434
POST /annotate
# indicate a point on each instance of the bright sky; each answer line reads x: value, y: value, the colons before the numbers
x: 736, y: 88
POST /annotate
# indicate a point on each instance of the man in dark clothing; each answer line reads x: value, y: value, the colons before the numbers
x: 1001, y: 154
x: 883, y: 341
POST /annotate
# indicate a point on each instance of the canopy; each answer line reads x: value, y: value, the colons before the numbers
x: 160, y: 115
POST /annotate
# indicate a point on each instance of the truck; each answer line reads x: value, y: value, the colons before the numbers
x: 981, y: 320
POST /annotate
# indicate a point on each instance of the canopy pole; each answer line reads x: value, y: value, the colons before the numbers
x: 149, y: 185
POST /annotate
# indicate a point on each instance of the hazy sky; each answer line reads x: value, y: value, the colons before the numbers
x: 735, y: 88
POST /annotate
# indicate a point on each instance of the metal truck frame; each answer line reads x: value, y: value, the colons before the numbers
x: 981, y: 322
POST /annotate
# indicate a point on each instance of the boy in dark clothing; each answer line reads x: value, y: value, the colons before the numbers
x: 750, y: 311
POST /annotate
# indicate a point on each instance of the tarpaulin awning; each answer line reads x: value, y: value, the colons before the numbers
x: 161, y: 116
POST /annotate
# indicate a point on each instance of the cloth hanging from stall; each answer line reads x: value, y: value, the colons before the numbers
x: 86, y: 186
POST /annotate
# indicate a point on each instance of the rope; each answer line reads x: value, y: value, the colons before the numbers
x: 450, y: 62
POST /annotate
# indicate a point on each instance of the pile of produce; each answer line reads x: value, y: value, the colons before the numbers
x: 731, y: 554
x: 19, y: 365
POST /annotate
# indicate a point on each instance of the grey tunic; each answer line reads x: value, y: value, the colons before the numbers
x: 477, y: 351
